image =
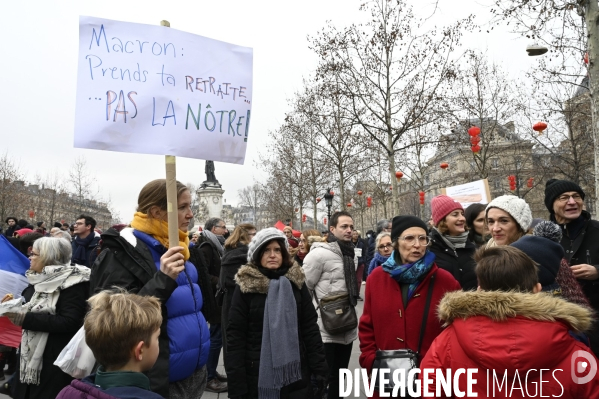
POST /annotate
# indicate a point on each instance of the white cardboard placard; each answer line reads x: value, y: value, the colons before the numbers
x: 156, y: 90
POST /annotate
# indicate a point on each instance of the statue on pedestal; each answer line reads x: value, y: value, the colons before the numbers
x: 210, y: 176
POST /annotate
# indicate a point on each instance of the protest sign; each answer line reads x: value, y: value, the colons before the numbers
x: 156, y: 90
x: 470, y: 193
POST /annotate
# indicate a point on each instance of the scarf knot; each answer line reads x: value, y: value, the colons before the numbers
x: 279, y: 355
x: 159, y: 230
x: 410, y: 273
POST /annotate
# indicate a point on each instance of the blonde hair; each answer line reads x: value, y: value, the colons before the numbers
x: 379, y: 238
x: 117, y: 322
x: 240, y: 235
x: 154, y: 194
x: 310, y: 233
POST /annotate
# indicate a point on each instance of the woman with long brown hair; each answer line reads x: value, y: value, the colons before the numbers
x: 236, y: 252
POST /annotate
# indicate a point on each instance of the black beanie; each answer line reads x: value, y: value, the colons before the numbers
x: 548, y: 254
x: 57, y: 224
x: 402, y: 223
x: 39, y: 224
x: 554, y: 188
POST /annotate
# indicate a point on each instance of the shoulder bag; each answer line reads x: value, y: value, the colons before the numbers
x: 337, y: 313
x: 405, y: 359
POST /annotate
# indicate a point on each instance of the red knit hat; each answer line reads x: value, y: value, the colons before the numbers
x: 441, y: 206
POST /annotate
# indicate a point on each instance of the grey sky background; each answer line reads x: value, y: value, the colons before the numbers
x: 39, y: 64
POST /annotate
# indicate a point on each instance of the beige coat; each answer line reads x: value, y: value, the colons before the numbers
x: 323, y: 267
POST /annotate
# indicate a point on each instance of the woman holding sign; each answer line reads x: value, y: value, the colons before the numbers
x: 139, y: 259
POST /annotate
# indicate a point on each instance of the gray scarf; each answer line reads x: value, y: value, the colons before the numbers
x: 214, y: 239
x: 279, y: 356
x: 455, y: 242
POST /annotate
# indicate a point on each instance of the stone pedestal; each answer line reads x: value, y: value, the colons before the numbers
x: 210, y: 196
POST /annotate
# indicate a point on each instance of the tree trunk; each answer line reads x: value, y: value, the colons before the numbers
x: 592, y: 18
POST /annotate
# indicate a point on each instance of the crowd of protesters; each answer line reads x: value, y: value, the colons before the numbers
x: 484, y: 287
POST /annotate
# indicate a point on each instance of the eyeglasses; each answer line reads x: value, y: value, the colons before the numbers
x: 411, y: 240
x: 221, y: 227
x: 79, y: 223
x: 33, y: 255
x: 566, y: 197
x: 384, y: 247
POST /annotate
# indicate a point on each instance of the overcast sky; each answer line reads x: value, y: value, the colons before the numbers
x: 38, y: 76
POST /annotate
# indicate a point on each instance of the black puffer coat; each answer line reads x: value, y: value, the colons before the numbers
x: 459, y: 262
x: 244, y: 334
x: 61, y: 326
x: 232, y: 260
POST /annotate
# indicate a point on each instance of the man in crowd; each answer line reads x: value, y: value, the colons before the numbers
x: 211, y: 247
x: 12, y: 226
x: 331, y: 266
x: 580, y: 237
x: 85, y: 241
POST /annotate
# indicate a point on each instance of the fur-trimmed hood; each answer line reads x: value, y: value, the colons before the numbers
x: 250, y: 280
x: 499, y: 306
x: 313, y: 239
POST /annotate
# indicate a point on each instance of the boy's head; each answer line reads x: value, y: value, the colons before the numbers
x: 506, y: 268
x: 122, y: 327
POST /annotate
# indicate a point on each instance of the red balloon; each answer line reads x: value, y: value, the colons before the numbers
x: 444, y: 165
x: 475, y: 148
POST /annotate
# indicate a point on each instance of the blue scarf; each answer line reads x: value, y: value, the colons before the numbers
x: 410, y: 273
x: 376, y: 262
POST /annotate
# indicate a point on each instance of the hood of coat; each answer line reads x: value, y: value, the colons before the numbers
x: 250, y: 280
x: 513, y: 331
x: 315, y: 239
x: 500, y: 306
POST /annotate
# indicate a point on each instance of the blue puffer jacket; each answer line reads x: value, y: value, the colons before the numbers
x: 187, y: 328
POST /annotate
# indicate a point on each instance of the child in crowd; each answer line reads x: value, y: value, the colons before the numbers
x: 512, y: 333
x: 122, y: 331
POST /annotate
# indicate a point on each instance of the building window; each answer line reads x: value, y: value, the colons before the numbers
x: 495, y: 163
x: 518, y: 163
x: 497, y: 184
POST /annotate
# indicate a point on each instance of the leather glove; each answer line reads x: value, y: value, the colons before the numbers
x: 16, y: 318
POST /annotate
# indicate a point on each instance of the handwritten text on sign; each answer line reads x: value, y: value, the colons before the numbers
x: 156, y: 90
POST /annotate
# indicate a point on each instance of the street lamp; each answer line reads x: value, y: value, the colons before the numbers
x: 328, y: 198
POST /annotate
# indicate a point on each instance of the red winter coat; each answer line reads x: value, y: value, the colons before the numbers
x: 513, y: 335
x: 386, y: 323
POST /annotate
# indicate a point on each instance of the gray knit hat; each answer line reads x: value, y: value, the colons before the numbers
x: 262, y: 238
x: 516, y: 207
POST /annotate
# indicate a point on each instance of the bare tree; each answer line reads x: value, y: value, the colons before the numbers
x: 11, y: 197
x: 393, y: 72
x: 251, y: 196
x: 569, y: 29
x: 81, y: 183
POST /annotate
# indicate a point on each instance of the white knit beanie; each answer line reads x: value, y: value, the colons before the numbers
x: 516, y: 207
x: 261, y: 239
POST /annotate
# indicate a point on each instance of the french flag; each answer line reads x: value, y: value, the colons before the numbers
x: 13, y: 265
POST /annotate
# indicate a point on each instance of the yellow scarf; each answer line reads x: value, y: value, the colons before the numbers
x: 159, y: 230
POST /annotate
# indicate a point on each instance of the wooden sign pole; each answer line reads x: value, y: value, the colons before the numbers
x: 171, y: 190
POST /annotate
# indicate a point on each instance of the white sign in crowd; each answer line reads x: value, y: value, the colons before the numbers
x: 156, y: 90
